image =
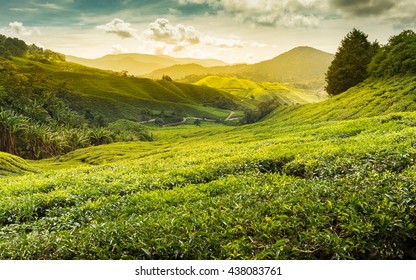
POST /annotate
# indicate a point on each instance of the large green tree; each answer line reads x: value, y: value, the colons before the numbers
x: 349, y: 66
x: 397, y: 57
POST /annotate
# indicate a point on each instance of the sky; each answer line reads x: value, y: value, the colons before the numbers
x: 233, y: 31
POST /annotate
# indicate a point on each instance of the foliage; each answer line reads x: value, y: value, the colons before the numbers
x: 39, y: 54
x: 349, y: 66
x: 329, y: 190
x: 331, y: 180
x: 12, y: 47
x: 167, y: 78
x: 263, y: 109
x: 125, y: 130
x: 13, y: 165
x: 256, y: 92
x: 398, y: 57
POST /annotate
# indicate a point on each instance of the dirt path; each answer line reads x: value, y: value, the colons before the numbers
x: 184, y: 119
x: 229, y: 116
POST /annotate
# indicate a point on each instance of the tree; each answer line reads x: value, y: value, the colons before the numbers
x: 10, y: 124
x: 397, y: 57
x: 349, y: 66
x: 167, y: 78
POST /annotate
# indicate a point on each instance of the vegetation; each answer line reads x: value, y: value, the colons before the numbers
x: 349, y: 66
x: 269, y: 191
x: 328, y: 180
x: 256, y: 92
x: 398, y: 57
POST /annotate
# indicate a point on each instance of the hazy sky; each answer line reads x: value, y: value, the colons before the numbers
x: 230, y: 30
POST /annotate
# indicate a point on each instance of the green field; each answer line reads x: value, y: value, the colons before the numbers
x: 263, y: 91
x: 115, y: 95
x: 317, y: 189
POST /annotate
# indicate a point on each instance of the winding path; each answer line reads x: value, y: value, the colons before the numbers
x: 184, y: 119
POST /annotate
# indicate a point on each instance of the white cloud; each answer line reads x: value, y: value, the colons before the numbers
x: 223, y: 43
x: 162, y: 30
x: 176, y: 38
x: 17, y: 28
x: 24, y: 10
x: 120, y: 28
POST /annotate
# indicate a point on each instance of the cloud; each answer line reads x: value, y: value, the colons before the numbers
x: 364, y: 7
x: 176, y: 38
x: 289, y: 13
x: 223, y: 43
x: 50, y: 6
x: 24, y: 10
x: 18, y: 29
x: 162, y: 30
x: 120, y: 28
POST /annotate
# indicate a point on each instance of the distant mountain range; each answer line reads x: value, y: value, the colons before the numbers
x: 299, y: 65
x: 140, y: 64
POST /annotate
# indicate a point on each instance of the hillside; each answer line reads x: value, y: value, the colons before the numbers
x: 302, y: 65
x: 11, y: 164
x: 333, y: 180
x: 374, y: 97
x: 294, y: 188
x: 262, y: 91
x: 140, y: 64
x: 115, y: 95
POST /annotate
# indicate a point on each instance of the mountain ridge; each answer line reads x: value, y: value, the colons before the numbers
x: 139, y: 64
x: 298, y: 65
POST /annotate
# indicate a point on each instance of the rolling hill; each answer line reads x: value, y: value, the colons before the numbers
x: 139, y: 64
x: 262, y: 91
x: 373, y: 97
x: 295, y: 186
x: 116, y: 95
x: 330, y: 180
x: 302, y: 65
x: 13, y: 165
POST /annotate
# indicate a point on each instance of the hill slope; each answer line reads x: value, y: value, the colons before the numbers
x: 139, y: 64
x: 262, y: 91
x: 299, y: 65
x: 114, y: 95
x: 11, y: 164
x: 373, y: 97
x: 309, y: 189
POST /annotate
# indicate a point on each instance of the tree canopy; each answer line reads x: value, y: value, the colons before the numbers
x: 349, y: 66
x: 15, y: 47
x: 397, y: 57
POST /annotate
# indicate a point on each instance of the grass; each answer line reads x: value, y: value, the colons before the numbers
x: 116, y: 96
x: 328, y: 190
x: 262, y: 91
x: 368, y: 99
x: 331, y: 180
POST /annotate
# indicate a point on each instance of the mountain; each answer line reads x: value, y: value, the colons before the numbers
x: 139, y: 64
x: 299, y: 65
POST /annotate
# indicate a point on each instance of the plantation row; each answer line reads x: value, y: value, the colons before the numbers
x: 268, y: 191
